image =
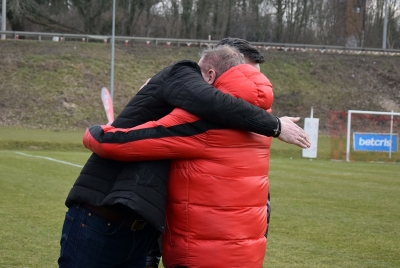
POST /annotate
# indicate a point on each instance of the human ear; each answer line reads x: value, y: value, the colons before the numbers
x: 211, y: 75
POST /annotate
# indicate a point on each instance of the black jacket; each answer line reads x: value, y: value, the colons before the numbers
x: 141, y: 186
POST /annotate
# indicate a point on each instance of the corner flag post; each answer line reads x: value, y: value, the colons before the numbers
x: 108, y: 104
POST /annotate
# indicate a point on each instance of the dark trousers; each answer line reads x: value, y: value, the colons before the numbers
x: 90, y: 240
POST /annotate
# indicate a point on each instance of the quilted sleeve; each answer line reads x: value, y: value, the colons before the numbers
x: 186, y: 89
x: 177, y: 135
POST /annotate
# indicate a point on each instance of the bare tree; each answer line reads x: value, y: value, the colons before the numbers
x: 393, y: 27
x: 186, y: 18
x: 324, y: 22
x: 132, y: 10
x: 203, y: 11
x: 329, y: 22
x: 37, y: 12
x: 90, y: 12
x: 169, y: 10
x: 280, y: 7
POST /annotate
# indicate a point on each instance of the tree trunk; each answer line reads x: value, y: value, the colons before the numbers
x: 280, y: 10
x: 16, y: 23
x: 186, y: 17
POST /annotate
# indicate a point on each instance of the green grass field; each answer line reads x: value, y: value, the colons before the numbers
x: 324, y: 213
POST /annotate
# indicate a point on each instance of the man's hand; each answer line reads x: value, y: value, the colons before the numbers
x: 292, y: 133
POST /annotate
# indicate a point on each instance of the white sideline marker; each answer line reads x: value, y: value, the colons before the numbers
x: 50, y: 159
x: 311, y: 126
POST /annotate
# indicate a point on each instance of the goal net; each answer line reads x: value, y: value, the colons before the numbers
x: 365, y: 136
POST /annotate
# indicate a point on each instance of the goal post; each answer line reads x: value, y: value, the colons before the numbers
x: 373, y: 134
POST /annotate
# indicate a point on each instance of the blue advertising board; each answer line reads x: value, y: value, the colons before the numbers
x: 378, y: 142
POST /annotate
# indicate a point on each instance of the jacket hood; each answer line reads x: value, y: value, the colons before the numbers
x: 246, y: 82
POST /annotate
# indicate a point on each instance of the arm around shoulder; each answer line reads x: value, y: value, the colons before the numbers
x: 185, y: 88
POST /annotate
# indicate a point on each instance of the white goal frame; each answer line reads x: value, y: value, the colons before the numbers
x: 350, y: 112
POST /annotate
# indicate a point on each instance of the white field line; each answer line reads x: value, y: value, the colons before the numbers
x: 50, y: 159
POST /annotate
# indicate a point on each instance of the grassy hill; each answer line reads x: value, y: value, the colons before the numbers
x: 57, y: 86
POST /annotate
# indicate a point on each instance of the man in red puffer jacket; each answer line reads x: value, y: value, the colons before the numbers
x: 218, y: 182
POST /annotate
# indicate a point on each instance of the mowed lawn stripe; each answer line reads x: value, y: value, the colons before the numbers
x: 32, y: 195
x: 334, y: 214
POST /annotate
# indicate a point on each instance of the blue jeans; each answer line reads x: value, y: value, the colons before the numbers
x: 89, y: 240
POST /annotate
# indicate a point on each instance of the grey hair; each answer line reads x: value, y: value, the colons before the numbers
x: 221, y: 59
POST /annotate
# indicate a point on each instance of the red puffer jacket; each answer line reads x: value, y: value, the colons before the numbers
x: 218, y: 183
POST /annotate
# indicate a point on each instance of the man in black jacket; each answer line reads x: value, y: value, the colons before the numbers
x: 117, y: 209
